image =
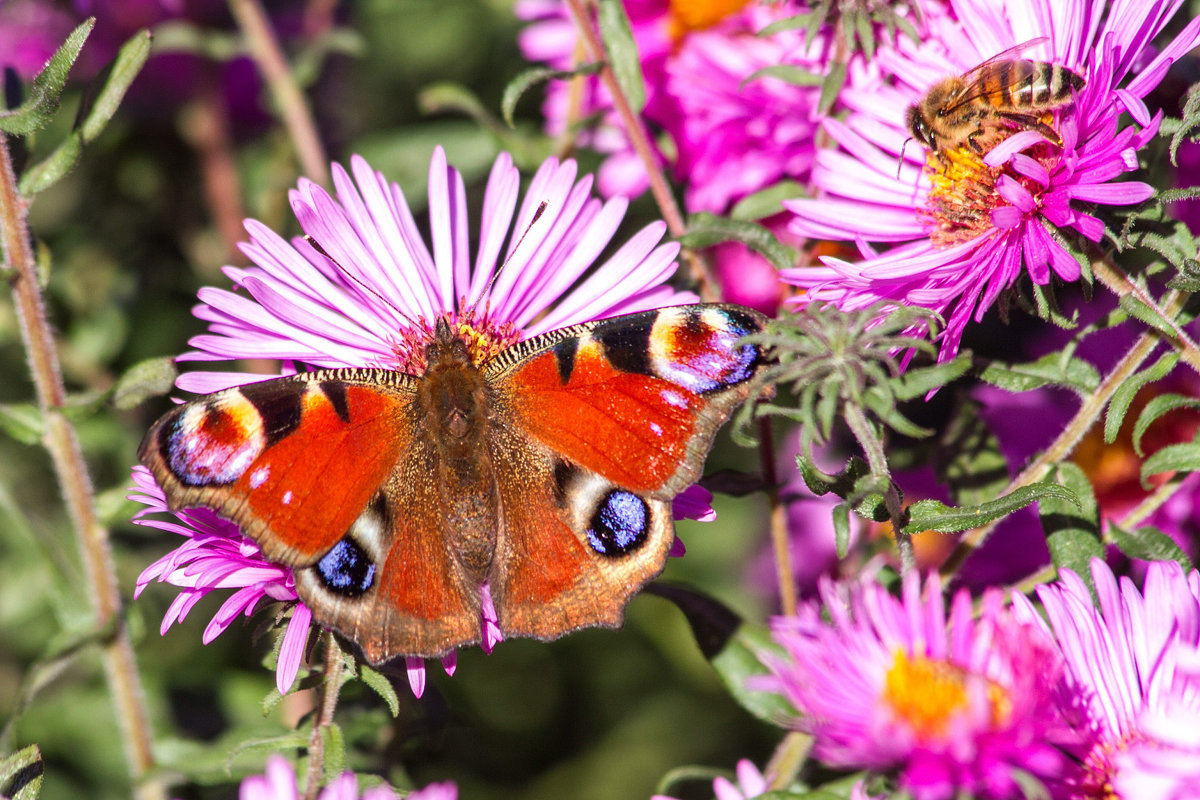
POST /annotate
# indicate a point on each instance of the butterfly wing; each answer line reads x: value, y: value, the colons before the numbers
x: 325, y: 472
x: 610, y: 420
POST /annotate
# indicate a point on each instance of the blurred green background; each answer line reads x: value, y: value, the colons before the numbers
x: 126, y: 240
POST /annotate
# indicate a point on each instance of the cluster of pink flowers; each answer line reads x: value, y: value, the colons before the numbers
x: 966, y: 702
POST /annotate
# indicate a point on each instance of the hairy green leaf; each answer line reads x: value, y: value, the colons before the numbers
x: 835, y: 78
x: 379, y: 683
x: 21, y: 774
x: 767, y: 202
x: 706, y: 229
x: 1156, y: 408
x: 46, y: 91
x: 532, y: 77
x: 919, y: 381
x: 1072, y: 529
x: 153, y: 377
x: 1183, y: 457
x: 1123, y: 396
x: 334, y: 742
x: 1149, y: 544
x: 733, y: 646
x: 933, y: 515
x: 622, y: 51
x: 23, y: 422
x: 1053, y: 369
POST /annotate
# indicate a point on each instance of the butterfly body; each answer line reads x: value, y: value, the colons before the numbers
x: 541, y: 477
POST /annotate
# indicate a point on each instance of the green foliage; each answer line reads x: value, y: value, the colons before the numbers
x: 534, y: 76
x: 21, y: 774
x: 622, y: 52
x: 932, y: 515
x: 1072, y: 527
x: 45, y: 94
x: 705, y: 230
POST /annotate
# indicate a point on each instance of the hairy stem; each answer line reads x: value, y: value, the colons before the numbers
x: 60, y: 440
x: 293, y: 109
x: 331, y: 685
x: 872, y: 447
x: 636, y: 131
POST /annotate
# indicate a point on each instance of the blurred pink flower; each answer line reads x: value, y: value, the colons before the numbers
x: 278, y: 782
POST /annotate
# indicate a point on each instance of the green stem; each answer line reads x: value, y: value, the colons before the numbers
x: 872, y: 447
x: 293, y: 109
x: 61, y: 442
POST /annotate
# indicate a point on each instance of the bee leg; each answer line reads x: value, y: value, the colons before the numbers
x: 1033, y: 123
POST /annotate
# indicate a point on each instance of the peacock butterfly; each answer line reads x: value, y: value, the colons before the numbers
x: 544, y: 474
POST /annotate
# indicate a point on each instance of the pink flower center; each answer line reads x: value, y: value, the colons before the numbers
x: 485, y: 337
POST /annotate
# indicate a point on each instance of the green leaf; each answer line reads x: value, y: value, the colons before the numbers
x: 1053, y: 369
x: 121, y: 74
x: 841, y: 528
x: 932, y: 515
x: 788, y: 24
x: 1183, y: 457
x: 1139, y: 310
x: 153, y: 377
x: 788, y: 73
x: 23, y: 422
x: 767, y: 202
x: 379, y: 683
x: 734, y: 648
x: 95, y: 115
x: 1157, y: 407
x: 920, y: 381
x: 622, y: 52
x: 835, y: 78
x: 706, y: 229
x: 21, y: 774
x: 532, y: 77
x: 46, y: 91
x: 1123, y: 396
x: 335, y: 751
x: 1149, y: 544
x: 1072, y: 530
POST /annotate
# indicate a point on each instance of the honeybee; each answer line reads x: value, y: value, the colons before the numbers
x: 1003, y: 91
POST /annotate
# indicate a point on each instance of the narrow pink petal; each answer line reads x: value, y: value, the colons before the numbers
x: 416, y: 675
x: 291, y: 651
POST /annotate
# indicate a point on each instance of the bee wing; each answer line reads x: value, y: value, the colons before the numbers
x: 973, y: 86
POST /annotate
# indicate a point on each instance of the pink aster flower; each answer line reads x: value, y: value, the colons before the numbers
x: 955, y: 705
x: 964, y: 229
x: 730, y: 137
x: 1137, y: 661
x: 368, y: 295
x: 278, y: 782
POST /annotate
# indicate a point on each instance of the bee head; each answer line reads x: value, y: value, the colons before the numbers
x: 919, y: 126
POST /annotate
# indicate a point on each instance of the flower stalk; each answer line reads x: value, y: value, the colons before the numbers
x: 60, y: 440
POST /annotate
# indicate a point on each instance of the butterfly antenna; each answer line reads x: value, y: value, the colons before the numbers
x: 537, y: 214
x: 361, y: 284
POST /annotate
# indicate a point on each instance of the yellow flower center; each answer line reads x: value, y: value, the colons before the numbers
x: 697, y: 15
x: 962, y: 196
x: 926, y: 693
